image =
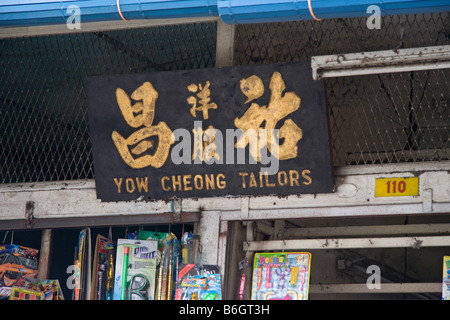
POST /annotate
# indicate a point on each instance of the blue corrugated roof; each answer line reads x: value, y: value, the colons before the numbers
x: 15, y: 13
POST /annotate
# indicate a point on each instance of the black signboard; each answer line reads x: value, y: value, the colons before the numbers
x: 252, y: 130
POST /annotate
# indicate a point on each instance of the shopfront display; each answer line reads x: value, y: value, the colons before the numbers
x: 193, y: 160
x: 143, y: 265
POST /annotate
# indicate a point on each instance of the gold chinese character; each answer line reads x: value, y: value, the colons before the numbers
x: 205, y: 148
x: 203, y: 100
x: 141, y: 114
x: 267, y: 117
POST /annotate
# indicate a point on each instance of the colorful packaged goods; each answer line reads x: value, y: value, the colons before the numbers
x: 167, y: 268
x: 135, y: 270
x: 446, y: 279
x: 198, y: 283
x: 281, y: 276
x: 186, y: 244
x: 16, y: 262
x: 103, y: 269
x: 33, y: 289
x: 83, y: 266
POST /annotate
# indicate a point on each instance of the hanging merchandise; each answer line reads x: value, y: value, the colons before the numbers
x: 133, y: 235
x: 186, y: 244
x: 155, y: 236
x: 83, y: 266
x: 281, y: 276
x: 167, y: 269
x: 16, y: 262
x: 135, y: 270
x: 242, y: 265
x: 446, y: 279
x: 103, y: 270
x: 242, y: 287
x: 197, y: 282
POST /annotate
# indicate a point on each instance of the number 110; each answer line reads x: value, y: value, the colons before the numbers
x: 401, y: 186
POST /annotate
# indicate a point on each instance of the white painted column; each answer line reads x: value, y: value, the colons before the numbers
x: 209, y: 230
x: 225, y: 44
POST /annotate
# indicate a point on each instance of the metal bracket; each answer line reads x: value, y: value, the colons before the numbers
x: 29, y: 211
x: 376, y: 62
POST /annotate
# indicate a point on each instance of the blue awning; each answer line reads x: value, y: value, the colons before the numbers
x: 15, y: 13
x: 256, y: 11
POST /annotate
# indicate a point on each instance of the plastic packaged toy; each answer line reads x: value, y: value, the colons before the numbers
x: 135, y: 270
x: 15, y: 262
x: 281, y: 276
x: 198, y: 283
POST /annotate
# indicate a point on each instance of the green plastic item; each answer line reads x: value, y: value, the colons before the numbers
x: 126, y: 252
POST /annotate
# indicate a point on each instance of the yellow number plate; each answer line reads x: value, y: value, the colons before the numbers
x: 395, y: 187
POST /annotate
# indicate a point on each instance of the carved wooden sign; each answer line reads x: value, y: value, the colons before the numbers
x: 253, y: 130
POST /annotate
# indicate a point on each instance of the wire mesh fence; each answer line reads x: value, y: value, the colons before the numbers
x: 44, y: 129
x: 386, y: 118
